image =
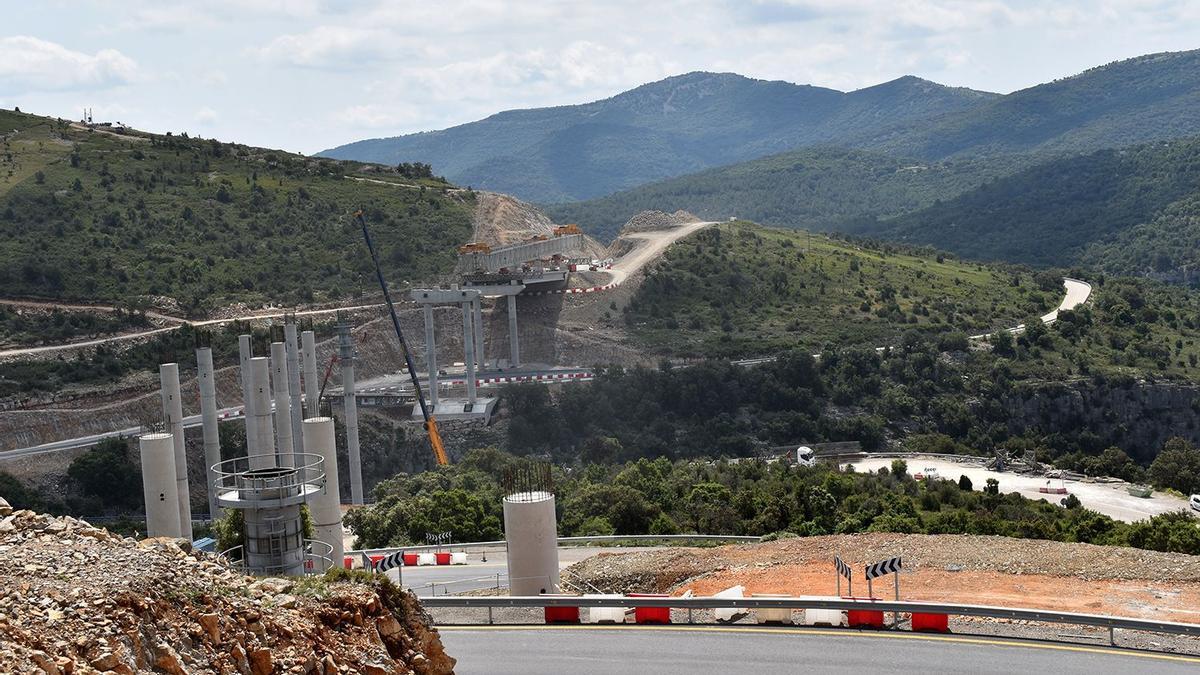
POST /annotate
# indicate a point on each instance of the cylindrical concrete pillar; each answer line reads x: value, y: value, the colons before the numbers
x: 531, y: 533
x: 312, y: 385
x: 469, y: 350
x: 350, y: 408
x: 514, y: 348
x: 245, y: 353
x: 260, y: 394
x: 208, y: 418
x: 326, y: 509
x: 284, y: 449
x: 172, y: 403
x: 477, y: 308
x: 293, y: 372
x: 158, y: 485
x: 431, y: 357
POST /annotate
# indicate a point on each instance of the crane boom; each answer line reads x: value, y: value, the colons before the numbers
x: 435, y: 437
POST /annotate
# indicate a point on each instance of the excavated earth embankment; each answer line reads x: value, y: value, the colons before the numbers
x: 78, y: 599
x: 971, y: 569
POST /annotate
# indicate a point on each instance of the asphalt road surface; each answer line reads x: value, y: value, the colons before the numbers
x: 666, y: 650
x: 477, y: 575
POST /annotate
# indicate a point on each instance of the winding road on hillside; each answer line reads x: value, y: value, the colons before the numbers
x: 653, y: 243
x: 666, y: 650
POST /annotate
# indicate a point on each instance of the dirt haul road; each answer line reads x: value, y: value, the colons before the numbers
x: 650, y: 245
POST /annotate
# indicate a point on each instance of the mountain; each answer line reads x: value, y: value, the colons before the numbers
x: 1143, y: 199
x: 667, y: 128
x: 129, y: 218
x: 1127, y: 102
x: 912, y: 166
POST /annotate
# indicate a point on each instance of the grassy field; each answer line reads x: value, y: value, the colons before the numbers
x: 195, y: 224
x: 741, y: 289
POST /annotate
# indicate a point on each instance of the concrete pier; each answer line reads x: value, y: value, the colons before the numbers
x: 312, y: 385
x: 285, y: 452
x: 350, y: 408
x: 208, y: 419
x: 260, y: 394
x: 158, y: 485
x: 469, y: 349
x: 477, y: 310
x: 326, y: 509
x: 431, y: 365
x: 172, y: 403
x: 514, y: 348
x: 293, y: 368
x: 245, y: 353
x: 531, y: 535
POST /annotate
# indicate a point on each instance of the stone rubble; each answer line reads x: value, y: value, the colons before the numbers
x: 79, y: 599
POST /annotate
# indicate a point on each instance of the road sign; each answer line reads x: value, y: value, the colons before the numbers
x: 388, y: 562
x: 438, y: 538
x: 889, y: 566
x: 843, y: 570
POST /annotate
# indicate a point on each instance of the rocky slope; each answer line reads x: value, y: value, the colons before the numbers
x: 77, y: 599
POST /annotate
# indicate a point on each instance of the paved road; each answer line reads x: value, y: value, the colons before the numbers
x: 477, y: 574
x: 683, y: 649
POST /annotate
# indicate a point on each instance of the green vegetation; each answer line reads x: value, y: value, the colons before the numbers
x: 675, y: 126
x: 1050, y: 213
x: 26, y: 327
x: 129, y: 219
x: 742, y: 290
x: 755, y: 498
x: 814, y: 188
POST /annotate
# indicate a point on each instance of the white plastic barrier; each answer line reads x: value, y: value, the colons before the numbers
x: 426, y: 559
x: 772, y: 614
x: 824, y: 617
x: 605, y: 614
x: 726, y: 614
x: 458, y: 558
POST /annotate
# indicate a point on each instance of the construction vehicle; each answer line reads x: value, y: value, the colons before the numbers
x: 435, y: 438
x: 474, y: 247
x: 569, y: 228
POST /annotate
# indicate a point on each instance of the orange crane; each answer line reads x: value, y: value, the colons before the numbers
x: 435, y: 438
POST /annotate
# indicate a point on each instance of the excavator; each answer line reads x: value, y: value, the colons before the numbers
x: 431, y: 428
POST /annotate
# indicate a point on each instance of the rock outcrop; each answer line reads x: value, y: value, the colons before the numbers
x: 79, y: 599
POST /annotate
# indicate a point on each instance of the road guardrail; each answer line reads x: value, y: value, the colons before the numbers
x: 725, y: 538
x: 802, y: 602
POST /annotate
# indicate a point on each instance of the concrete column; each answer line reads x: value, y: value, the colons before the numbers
x: 245, y: 353
x: 264, y: 439
x: 326, y: 509
x: 431, y: 356
x: 208, y: 417
x: 293, y: 369
x: 158, y: 485
x: 531, y: 534
x: 350, y: 408
x: 514, y: 348
x: 469, y: 350
x: 479, y: 344
x: 312, y: 386
x: 172, y: 403
x: 285, y: 451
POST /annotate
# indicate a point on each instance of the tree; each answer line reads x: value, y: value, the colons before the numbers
x: 993, y: 487
x: 899, y: 468
x: 1002, y: 343
x: 964, y: 483
x: 107, y: 473
x: 1177, y: 466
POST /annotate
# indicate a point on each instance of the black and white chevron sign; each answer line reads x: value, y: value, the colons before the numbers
x: 842, y: 568
x: 889, y: 566
x: 388, y: 562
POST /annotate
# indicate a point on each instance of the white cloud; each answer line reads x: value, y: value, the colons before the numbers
x: 326, y: 47
x: 31, y: 64
x: 205, y: 115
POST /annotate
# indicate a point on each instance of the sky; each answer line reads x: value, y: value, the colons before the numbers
x: 306, y: 75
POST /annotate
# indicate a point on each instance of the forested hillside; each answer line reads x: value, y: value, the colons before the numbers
x: 823, y: 188
x: 675, y: 126
x: 137, y: 219
x: 1050, y: 214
